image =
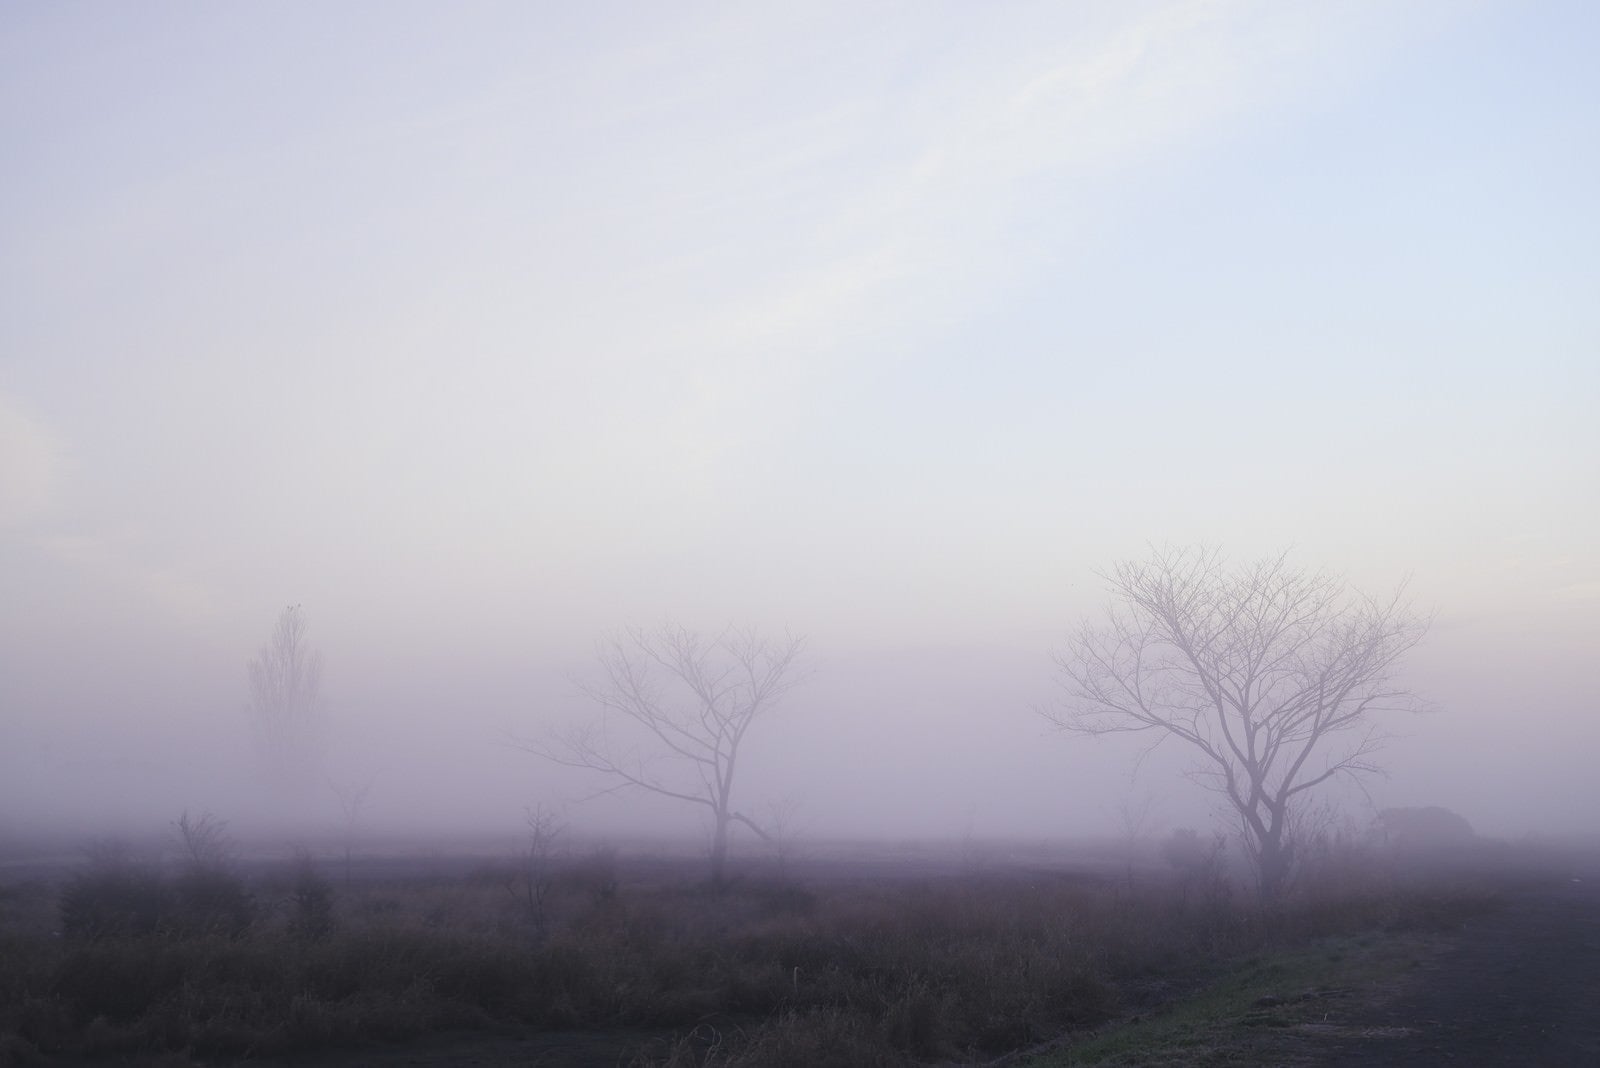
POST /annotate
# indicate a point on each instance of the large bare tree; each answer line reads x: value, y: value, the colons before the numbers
x: 673, y: 709
x: 285, y: 700
x: 1278, y: 677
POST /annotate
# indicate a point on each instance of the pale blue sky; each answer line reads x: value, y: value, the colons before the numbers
x: 479, y: 329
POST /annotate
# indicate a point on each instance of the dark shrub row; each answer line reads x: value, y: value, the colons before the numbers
x: 875, y: 972
x: 127, y: 900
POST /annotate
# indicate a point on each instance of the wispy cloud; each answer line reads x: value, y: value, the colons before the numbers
x: 903, y: 219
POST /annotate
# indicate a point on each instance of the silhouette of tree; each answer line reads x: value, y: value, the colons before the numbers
x: 285, y: 701
x: 674, y: 710
x: 1277, y: 677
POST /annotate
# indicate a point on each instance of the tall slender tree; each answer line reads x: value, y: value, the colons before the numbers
x: 285, y: 706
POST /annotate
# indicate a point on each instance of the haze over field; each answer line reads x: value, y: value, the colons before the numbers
x: 481, y: 330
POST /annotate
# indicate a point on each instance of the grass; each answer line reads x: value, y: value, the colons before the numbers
x: 1260, y: 1008
x: 122, y: 960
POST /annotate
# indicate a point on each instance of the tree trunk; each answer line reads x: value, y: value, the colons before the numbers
x: 719, y: 850
x: 1273, y: 857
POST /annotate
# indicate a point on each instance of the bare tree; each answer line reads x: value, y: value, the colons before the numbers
x: 1133, y: 824
x: 203, y: 841
x: 352, y: 802
x: 285, y: 708
x: 1277, y: 677
x: 1199, y: 862
x: 688, y: 703
x: 783, y: 832
x: 538, y: 859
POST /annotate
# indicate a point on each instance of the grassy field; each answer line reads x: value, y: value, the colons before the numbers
x: 631, y: 959
x: 1261, y: 1009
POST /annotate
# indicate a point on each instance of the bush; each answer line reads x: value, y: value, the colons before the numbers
x: 211, y: 902
x: 859, y: 972
x: 114, y: 898
x: 119, y: 980
x: 209, y: 898
x: 118, y: 897
x: 310, y: 901
x: 594, y: 875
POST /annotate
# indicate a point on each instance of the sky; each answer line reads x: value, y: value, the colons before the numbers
x: 481, y: 330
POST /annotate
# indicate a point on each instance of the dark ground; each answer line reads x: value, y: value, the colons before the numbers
x: 1515, y: 985
x: 1519, y: 986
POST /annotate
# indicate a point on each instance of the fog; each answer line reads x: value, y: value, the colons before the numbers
x: 481, y: 332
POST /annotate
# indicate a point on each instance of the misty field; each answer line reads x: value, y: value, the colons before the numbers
x: 858, y: 956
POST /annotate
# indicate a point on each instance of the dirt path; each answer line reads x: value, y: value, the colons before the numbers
x: 1520, y: 987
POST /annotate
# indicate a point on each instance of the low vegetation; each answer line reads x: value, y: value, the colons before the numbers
x: 124, y: 958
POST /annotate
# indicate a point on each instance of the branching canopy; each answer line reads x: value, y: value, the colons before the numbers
x: 1280, y: 678
x: 674, y: 709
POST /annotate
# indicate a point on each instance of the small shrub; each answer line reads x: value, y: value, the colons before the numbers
x: 595, y: 875
x: 782, y: 898
x: 1200, y: 863
x: 310, y: 901
x: 114, y: 897
x: 203, y: 841
x: 208, y: 898
x: 209, y: 901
